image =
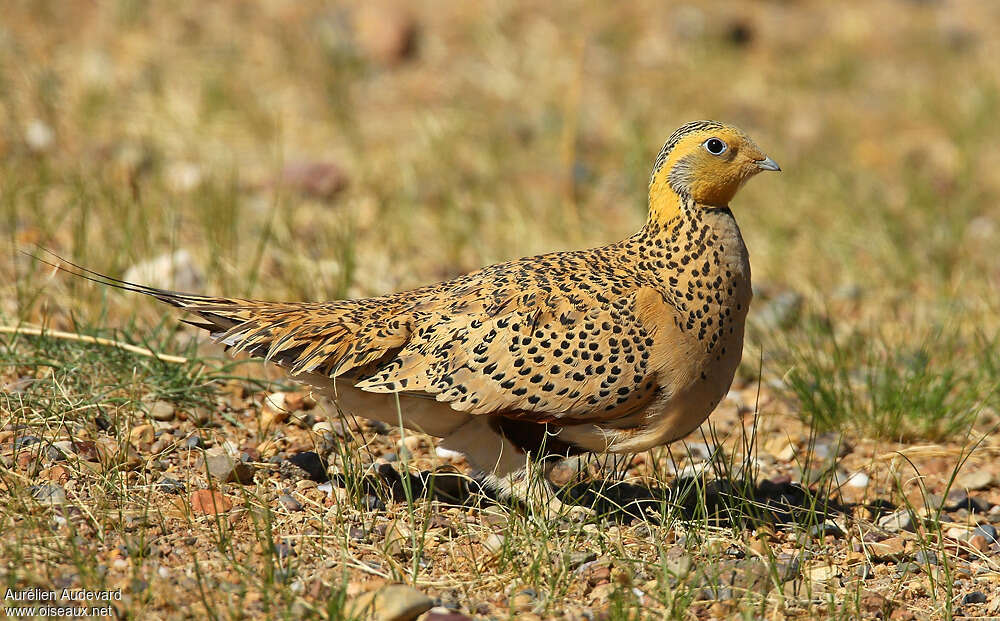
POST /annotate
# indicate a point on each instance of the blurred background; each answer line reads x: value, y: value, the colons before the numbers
x: 311, y: 150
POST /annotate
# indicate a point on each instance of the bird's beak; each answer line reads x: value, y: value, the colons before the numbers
x: 768, y: 164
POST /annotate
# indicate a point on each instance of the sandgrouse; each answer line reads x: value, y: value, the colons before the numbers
x: 619, y: 348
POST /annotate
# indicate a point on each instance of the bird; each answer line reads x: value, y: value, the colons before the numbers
x: 615, y: 349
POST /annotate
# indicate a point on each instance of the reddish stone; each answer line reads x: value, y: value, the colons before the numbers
x: 209, y: 502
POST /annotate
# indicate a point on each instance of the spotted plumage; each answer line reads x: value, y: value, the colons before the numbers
x: 618, y: 348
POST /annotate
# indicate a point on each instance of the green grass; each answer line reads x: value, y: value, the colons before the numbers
x: 929, y: 386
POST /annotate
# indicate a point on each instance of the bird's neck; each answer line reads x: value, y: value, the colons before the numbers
x: 673, y: 215
x: 668, y: 208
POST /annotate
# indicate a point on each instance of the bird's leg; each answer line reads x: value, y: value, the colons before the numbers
x: 508, y: 469
x: 537, y: 492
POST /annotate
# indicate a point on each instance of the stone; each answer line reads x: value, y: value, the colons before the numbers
x: 141, y: 435
x: 273, y: 412
x: 523, y: 601
x: 162, y: 411
x: 385, y: 31
x: 210, y: 502
x: 987, y: 531
x: 176, y: 271
x: 283, y: 550
x: 24, y: 442
x: 823, y: 573
x: 49, y: 494
x: 858, y: 480
x: 926, y: 557
x: 781, y: 311
x: 65, y: 447
x: 289, y: 503
x: 980, y: 543
x: 975, y: 597
x: 826, y: 528
x: 907, y: 568
x: 598, y: 573
x: 38, y: 136
x: 864, y: 571
x: 494, y: 543
x: 397, y: 538
x: 161, y: 444
x: 602, y: 592
x: 577, y: 559
x: 58, y: 474
x: 356, y: 533
x: 200, y: 416
x: 225, y: 468
x: 976, y: 479
x: 960, y: 499
x: 319, y: 179
x: 394, y: 602
x: 893, y: 548
x: 874, y: 603
x: 897, y: 522
x: 448, y: 454
x: 168, y: 485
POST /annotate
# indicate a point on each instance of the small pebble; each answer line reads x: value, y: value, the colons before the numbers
x: 170, y: 486
x: 444, y: 453
x: 162, y: 411
x: 25, y: 441
x: 356, y: 533
x: 49, y: 494
x: 824, y: 529
x: 906, y: 568
x: 225, y: 468
x: 975, y: 597
x: 864, y: 571
x: 290, y: 503
x: 895, y: 522
x: 960, y: 499
x: 987, y: 531
x: 494, y: 543
x: 979, y: 542
x: 576, y: 559
x: 209, y: 502
x: 976, y: 479
x: 372, y: 503
x: 283, y: 550
x: 926, y: 557
x: 858, y: 479
x: 523, y: 601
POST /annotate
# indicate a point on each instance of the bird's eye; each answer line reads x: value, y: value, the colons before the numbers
x: 715, y: 146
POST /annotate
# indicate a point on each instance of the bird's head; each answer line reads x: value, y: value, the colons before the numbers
x: 707, y: 161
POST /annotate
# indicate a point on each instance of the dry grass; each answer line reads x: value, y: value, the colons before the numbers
x: 129, y: 130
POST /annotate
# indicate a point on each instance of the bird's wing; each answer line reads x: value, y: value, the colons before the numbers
x: 544, y: 357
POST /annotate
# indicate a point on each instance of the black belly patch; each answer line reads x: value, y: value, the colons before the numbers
x: 532, y: 438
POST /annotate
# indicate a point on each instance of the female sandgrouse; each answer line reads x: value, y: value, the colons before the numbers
x: 614, y: 349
